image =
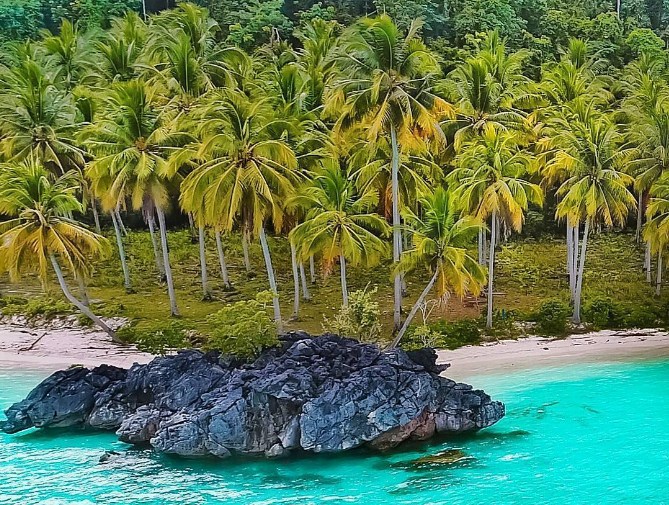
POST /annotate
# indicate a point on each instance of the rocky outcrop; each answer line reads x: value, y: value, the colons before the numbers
x: 322, y: 394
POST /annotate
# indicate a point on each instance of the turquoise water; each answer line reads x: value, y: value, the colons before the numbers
x: 586, y: 434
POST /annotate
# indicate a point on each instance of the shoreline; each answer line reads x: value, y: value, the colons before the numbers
x: 51, y: 349
x: 534, y: 353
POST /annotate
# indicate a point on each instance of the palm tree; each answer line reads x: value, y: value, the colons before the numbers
x: 131, y: 142
x: 656, y: 229
x: 39, y: 231
x: 489, y: 181
x: 244, y: 171
x: 38, y: 119
x: 339, y: 225
x: 386, y: 84
x: 440, y: 242
x: 589, y: 159
x: 69, y: 53
x: 484, y: 90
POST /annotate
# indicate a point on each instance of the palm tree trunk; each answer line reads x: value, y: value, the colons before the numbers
x: 245, y: 249
x: 658, y: 281
x: 312, y: 269
x: 156, y: 252
x: 414, y: 310
x: 272, y: 279
x: 166, y: 262
x: 579, y: 280
x: 144, y: 10
x: 485, y: 248
x: 397, y: 233
x: 296, y: 280
x: 82, y: 290
x: 96, y: 217
x: 206, y: 295
x: 344, y: 286
x: 639, y: 217
x: 82, y: 308
x: 221, y: 259
x: 647, y: 266
x: 480, y: 246
x: 121, y: 252
x: 120, y: 223
x: 191, y: 226
x: 305, y: 289
x: 491, y: 267
x: 572, y: 260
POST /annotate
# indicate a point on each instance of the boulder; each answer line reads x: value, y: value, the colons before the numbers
x: 317, y: 394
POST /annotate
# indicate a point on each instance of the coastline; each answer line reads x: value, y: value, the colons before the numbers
x: 60, y: 347
x: 508, y: 356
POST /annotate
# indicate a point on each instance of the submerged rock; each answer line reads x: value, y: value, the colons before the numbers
x: 322, y: 394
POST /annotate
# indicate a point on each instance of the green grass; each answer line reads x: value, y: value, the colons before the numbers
x: 528, y: 272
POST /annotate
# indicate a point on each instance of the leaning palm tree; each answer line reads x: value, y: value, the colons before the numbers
x: 243, y: 169
x: 490, y: 183
x: 440, y: 243
x: 339, y: 225
x: 386, y: 83
x: 595, y: 190
x: 131, y: 142
x: 39, y: 231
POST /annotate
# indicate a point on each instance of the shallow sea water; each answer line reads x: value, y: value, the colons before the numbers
x: 585, y: 434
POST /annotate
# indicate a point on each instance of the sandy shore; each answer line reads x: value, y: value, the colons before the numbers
x: 56, y: 348
x: 507, y: 356
x: 53, y: 349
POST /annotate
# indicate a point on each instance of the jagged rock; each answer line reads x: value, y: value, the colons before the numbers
x: 322, y: 394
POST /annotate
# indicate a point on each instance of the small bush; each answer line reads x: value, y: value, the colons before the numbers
x: 443, y: 335
x: 551, y: 318
x: 156, y: 340
x: 603, y: 313
x: 360, y: 319
x: 45, y: 307
x: 243, y: 329
x: 505, y: 324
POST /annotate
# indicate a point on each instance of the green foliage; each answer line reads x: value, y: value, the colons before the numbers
x: 551, y: 318
x: 603, y: 313
x: 243, y: 329
x: 360, y: 319
x: 44, y: 307
x: 19, y: 19
x: 160, y: 340
x: 443, y: 335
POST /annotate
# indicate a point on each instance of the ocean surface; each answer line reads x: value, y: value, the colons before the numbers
x: 586, y: 434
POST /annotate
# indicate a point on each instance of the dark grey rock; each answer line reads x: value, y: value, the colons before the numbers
x: 320, y: 394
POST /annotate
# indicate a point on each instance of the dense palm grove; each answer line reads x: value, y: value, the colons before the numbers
x: 357, y: 143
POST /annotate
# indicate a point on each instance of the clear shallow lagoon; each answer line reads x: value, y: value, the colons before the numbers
x: 585, y: 434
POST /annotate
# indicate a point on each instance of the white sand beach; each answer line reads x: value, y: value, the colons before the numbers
x: 507, y: 356
x: 53, y: 349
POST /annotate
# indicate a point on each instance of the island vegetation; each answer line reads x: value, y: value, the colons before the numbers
x: 404, y: 172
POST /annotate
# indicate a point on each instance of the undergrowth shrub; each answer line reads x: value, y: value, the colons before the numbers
x: 603, y: 313
x: 443, y: 335
x: 46, y: 307
x: 243, y: 329
x: 360, y: 319
x: 551, y: 318
x: 156, y: 340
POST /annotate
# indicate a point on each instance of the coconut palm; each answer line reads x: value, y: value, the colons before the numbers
x: 594, y: 190
x: 656, y: 229
x: 131, y: 142
x: 440, y: 243
x: 489, y: 183
x: 38, y: 119
x: 244, y: 171
x: 119, y: 51
x: 39, y: 231
x: 386, y: 84
x: 484, y: 90
x: 69, y: 53
x: 339, y: 225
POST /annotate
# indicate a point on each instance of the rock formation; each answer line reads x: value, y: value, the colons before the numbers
x: 322, y: 394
